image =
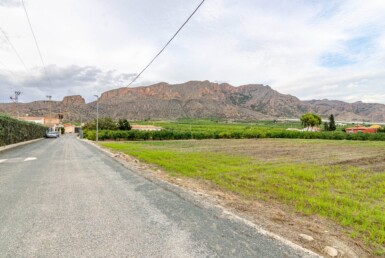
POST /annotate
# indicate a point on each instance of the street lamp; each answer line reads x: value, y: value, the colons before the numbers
x: 97, y: 117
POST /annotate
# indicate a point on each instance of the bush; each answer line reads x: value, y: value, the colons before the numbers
x: 173, y: 134
x: 14, y: 131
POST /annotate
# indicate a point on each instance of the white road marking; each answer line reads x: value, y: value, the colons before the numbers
x: 30, y: 158
x: 15, y: 160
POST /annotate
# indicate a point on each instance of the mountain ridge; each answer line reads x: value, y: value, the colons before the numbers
x: 198, y: 99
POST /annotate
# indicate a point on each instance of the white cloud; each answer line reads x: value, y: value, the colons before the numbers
x: 310, y: 49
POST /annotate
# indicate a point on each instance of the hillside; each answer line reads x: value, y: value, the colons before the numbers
x: 198, y: 99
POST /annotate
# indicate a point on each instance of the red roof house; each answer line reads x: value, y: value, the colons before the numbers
x: 360, y: 129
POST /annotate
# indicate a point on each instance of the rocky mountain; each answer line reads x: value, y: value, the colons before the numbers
x: 197, y: 99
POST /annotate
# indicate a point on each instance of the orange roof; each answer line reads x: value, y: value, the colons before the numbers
x: 357, y: 127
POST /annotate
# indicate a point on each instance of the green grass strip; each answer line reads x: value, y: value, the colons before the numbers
x: 353, y: 197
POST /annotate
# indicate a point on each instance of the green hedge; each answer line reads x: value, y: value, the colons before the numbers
x: 135, y: 135
x: 14, y: 131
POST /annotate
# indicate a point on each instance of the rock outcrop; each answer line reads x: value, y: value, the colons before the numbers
x: 75, y: 100
x: 198, y: 99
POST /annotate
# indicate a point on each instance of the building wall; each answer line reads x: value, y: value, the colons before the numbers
x: 51, y: 121
x: 37, y: 120
x: 69, y: 129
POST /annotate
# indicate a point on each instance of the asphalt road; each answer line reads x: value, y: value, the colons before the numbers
x: 65, y: 198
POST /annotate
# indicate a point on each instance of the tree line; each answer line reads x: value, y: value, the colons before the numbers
x: 107, y: 123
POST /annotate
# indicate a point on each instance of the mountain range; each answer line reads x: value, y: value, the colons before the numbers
x: 197, y: 99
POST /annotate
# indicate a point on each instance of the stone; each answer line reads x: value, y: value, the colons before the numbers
x: 331, y: 251
x: 306, y: 238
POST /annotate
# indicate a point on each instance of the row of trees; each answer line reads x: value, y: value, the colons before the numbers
x: 108, y: 123
x: 311, y: 120
x: 136, y: 135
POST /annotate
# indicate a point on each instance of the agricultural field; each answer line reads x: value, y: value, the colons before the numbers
x: 341, y: 181
x: 213, y: 129
x: 210, y: 125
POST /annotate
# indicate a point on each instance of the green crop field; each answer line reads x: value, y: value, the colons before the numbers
x: 211, y: 125
x: 212, y: 129
x: 340, y: 180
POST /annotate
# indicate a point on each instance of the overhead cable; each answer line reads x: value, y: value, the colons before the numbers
x: 14, y: 49
x: 37, y: 45
x: 176, y: 33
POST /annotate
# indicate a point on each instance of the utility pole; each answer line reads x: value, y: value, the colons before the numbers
x: 81, y: 127
x: 50, y: 104
x: 49, y: 117
x: 97, y: 117
x: 15, y: 99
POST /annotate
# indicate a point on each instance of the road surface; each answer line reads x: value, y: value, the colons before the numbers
x: 65, y: 198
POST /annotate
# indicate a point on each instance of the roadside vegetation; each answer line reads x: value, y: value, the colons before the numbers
x: 14, y: 131
x: 340, y: 180
x: 216, y: 129
x: 107, y: 123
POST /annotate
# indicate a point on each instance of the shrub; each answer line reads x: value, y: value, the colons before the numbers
x: 203, y: 133
x: 14, y: 131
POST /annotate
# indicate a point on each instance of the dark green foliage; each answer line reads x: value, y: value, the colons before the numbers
x: 310, y: 120
x: 168, y: 134
x: 105, y: 123
x: 332, y: 123
x: 124, y: 125
x: 326, y: 126
x: 14, y: 131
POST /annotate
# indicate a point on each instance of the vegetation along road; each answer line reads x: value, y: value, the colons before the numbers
x: 65, y: 198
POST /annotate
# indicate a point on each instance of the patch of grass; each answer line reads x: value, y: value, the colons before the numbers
x: 352, y: 196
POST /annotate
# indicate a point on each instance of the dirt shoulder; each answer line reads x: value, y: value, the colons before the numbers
x: 271, y: 216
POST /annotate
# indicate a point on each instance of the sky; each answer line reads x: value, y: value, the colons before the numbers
x: 311, y: 49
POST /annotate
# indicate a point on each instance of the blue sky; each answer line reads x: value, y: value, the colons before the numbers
x: 310, y: 49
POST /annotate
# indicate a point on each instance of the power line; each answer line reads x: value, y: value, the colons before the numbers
x: 14, y: 49
x: 37, y: 45
x: 160, y: 52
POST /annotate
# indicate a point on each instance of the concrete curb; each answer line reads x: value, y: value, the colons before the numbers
x: 7, y: 147
x: 190, y: 195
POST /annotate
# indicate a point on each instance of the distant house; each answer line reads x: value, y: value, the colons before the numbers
x: 375, y: 126
x: 33, y: 119
x: 69, y: 128
x: 311, y: 129
x: 51, y: 121
x: 292, y: 129
x: 361, y: 129
x: 146, y: 128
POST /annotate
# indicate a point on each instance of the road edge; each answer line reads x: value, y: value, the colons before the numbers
x: 190, y: 195
x: 11, y: 146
